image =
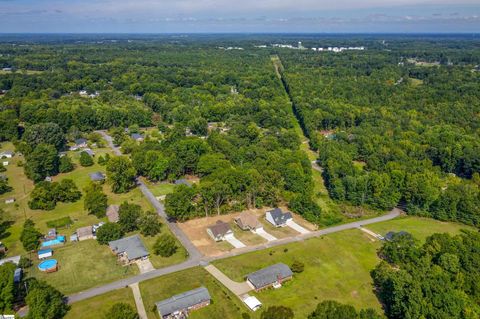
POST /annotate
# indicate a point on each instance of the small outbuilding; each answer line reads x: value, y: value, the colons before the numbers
x: 219, y: 231
x: 248, y: 221
x: 52, y: 234
x: 182, y: 181
x: 10, y: 200
x: 277, y: 217
x: 89, y: 152
x: 97, y: 177
x: 112, y: 213
x: 137, y: 137
x: 252, y: 303
x: 85, y: 233
x: 180, y: 305
x: 7, y: 154
x: 17, y: 275
x: 269, y: 277
x: 129, y: 248
x: 45, y: 253
x: 14, y: 259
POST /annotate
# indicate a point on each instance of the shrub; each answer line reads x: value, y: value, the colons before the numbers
x: 109, y: 232
x: 165, y: 246
x: 85, y: 159
x: 297, y: 266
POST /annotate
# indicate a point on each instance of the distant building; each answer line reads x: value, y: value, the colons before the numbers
x: 248, y: 221
x: 85, y: 233
x: 182, y: 181
x: 14, y: 259
x: 272, y: 276
x: 89, y: 152
x: 112, y: 213
x: 17, y: 275
x: 7, y: 154
x: 180, y: 305
x: 137, y: 137
x: 252, y: 302
x: 10, y: 200
x: 97, y: 177
x: 129, y: 249
x: 278, y: 218
x: 219, y: 231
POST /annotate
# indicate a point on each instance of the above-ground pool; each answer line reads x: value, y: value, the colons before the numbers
x: 48, y: 265
x: 57, y: 241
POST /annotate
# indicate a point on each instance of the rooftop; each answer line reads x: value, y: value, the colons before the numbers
x: 132, y: 246
x: 280, y: 217
x: 183, y: 301
x: 269, y: 275
x: 220, y: 228
x: 85, y: 231
x: 247, y: 220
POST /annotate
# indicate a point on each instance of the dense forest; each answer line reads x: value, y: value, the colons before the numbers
x: 394, y: 126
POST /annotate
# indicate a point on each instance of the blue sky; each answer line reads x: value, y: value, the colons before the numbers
x: 161, y: 16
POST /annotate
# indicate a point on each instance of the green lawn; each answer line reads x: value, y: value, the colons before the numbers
x: 96, y: 307
x: 224, y: 305
x: 159, y: 189
x: 419, y: 227
x: 83, y: 265
x: 159, y: 261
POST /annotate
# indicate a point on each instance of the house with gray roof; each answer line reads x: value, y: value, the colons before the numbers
x: 278, y: 218
x: 180, y: 305
x: 137, y: 137
x: 219, y: 231
x: 271, y: 276
x: 129, y: 248
x: 97, y: 177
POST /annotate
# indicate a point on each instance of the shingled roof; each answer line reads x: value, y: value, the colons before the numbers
x: 183, y: 301
x: 267, y: 276
x: 132, y: 246
x: 280, y: 217
x: 247, y: 220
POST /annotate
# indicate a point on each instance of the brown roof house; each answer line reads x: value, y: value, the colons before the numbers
x: 248, y: 221
x: 85, y: 233
x: 112, y: 213
x: 219, y: 231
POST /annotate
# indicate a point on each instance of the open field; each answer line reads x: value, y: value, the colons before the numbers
x: 419, y: 227
x: 337, y: 266
x: 159, y: 189
x: 82, y: 265
x: 196, y: 230
x: 224, y: 304
x: 96, y: 307
x: 159, y: 261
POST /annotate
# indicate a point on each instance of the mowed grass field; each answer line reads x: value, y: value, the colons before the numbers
x: 96, y: 307
x: 82, y: 265
x: 224, y: 304
x: 85, y: 264
x: 337, y: 266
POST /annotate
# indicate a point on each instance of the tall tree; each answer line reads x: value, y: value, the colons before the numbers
x: 121, y: 174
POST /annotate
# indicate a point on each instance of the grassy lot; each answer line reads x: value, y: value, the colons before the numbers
x: 159, y: 261
x: 96, y: 307
x: 337, y: 266
x: 419, y: 227
x: 246, y: 236
x: 159, y: 189
x: 278, y: 232
x: 224, y: 305
x: 83, y: 265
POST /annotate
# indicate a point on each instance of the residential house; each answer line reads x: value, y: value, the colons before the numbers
x: 79, y: 144
x: 129, y: 249
x: 137, y: 137
x: 7, y: 154
x: 219, y: 231
x: 180, y: 305
x: 248, y: 221
x: 85, y: 233
x: 272, y: 276
x: 112, y: 213
x: 97, y: 177
x: 278, y: 218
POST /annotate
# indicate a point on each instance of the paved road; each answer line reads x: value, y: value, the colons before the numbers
x: 193, y: 262
x: 193, y: 252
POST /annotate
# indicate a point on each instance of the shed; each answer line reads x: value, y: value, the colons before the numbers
x: 45, y: 253
x: 14, y: 259
x: 267, y: 277
x: 180, y: 305
x: 252, y: 303
x: 52, y: 234
x: 97, y: 177
x: 248, y: 221
x: 73, y: 237
x: 219, y: 230
x: 130, y: 247
x: 9, y: 200
x: 137, y: 137
x: 85, y: 233
x: 278, y: 218
x: 112, y: 213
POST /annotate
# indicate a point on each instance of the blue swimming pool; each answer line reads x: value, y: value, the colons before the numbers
x: 57, y: 241
x: 49, y: 264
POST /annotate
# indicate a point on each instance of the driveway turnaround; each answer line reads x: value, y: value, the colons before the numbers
x: 138, y: 301
x: 234, y: 241
x: 238, y: 288
x: 297, y: 227
x: 144, y: 265
x: 261, y: 232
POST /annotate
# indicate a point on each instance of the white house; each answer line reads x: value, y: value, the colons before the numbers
x: 219, y: 231
x: 278, y: 218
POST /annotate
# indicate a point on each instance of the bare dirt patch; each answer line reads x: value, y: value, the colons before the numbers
x: 196, y: 230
